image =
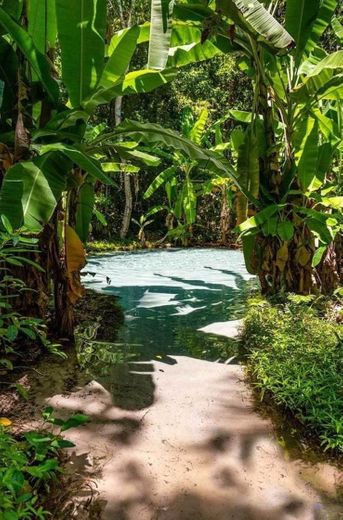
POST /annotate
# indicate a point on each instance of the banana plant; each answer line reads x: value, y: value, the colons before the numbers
x: 144, y: 221
x: 183, y: 179
x: 47, y: 105
x: 291, y: 146
x: 48, y: 98
x: 290, y: 241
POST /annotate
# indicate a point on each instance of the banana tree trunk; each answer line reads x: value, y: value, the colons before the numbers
x: 287, y: 266
x: 68, y: 256
x: 64, y: 314
x: 329, y: 270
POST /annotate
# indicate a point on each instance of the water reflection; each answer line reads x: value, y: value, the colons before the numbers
x: 169, y: 294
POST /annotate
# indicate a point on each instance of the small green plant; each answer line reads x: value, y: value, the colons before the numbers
x: 145, y: 221
x: 295, y: 356
x: 28, y: 464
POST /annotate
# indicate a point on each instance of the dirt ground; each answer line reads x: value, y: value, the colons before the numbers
x: 180, y: 440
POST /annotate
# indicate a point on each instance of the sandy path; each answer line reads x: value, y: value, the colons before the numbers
x: 182, y: 442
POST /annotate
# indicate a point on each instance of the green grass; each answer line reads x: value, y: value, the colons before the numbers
x: 295, y: 357
x: 116, y: 245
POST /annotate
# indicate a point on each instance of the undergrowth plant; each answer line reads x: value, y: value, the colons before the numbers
x: 29, y: 463
x: 15, y: 250
x: 295, y: 359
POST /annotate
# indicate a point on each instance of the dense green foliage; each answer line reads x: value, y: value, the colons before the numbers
x: 245, y: 128
x: 217, y: 84
x: 29, y: 463
x: 210, y: 85
x: 285, y: 148
x: 17, y: 329
x: 295, y: 356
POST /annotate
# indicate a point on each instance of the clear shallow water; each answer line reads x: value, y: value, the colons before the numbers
x: 168, y: 295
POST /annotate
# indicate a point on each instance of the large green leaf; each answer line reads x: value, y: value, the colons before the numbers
x: 185, y: 46
x: 253, y: 18
x: 300, y: 17
x: 182, y: 34
x: 248, y: 162
x: 80, y: 158
x: 321, y: 22
x: 333, y: 89
x: 321, y: 78
x: 136, y: 82
x: 42, y: 24
x: 42, y: 183
x: 194, y: 12
x: 319, y: 222
x: 243, y: 174
x: 338, y: 29
x: 189, y: 202
x: 10, y: 201
x: 160, y: 33
x: 113, y: 167
x: 8, y: 75
x: 306, y: 142
x: 332, y: 202
x: 136, y: 155
x: 192, y: 53
x: 37, y: 60
x: 325, y: 158
x: 249, y: 247
x: 197, y: 132
x: 331, y: 62
x: 13, y: 7
x: 254, y: 165
x: 121, y: 50
x: 81, y: 30
x: 142, y: 81
x: 152, y: 133
x: 327, y: 126
x: 259, y: 219
x: 195, y: 51
x: 161, y: 179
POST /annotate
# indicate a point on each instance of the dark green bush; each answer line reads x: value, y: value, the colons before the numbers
x: 296, y: 357
x: 28, y: 465
x: 17, y: 330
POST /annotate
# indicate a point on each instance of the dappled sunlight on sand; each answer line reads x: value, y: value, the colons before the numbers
x: 182, y: 441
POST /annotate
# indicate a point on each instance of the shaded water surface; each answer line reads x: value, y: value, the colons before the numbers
x: 169, y: 294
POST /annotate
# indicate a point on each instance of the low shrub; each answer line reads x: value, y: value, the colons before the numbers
x: 28, y: 464
x: 295, y: 356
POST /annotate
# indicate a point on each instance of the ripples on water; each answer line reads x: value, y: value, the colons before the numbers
x: 169, y: 294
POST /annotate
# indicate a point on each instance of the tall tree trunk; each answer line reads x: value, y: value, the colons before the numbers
x: 126, y: 12
x: 128, y: 206
x: 224, y: 217
x: 126, y: 178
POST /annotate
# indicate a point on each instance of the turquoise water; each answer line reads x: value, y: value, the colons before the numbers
x: 168, y: 295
